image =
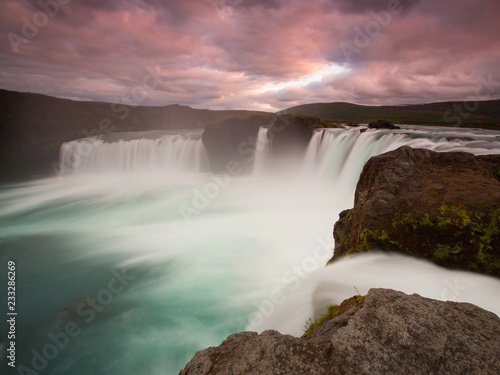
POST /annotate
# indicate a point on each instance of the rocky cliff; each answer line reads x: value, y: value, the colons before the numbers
x: 292, y: 132
x: 234, y: 139
x: 388, y: 332
x: 441, y: 206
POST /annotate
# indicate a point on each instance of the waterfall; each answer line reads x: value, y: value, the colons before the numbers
x: 342, y: 153
x: 206, y: 255
x: 148, y: 151
x: 333, y: 150
x: 307, y: 296
x: 336, y: 153
x: 262, y: 152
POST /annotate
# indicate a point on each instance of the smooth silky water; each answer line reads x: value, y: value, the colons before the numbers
x: 149, y: 257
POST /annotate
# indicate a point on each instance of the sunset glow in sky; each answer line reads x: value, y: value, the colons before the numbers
x: 252, y: 54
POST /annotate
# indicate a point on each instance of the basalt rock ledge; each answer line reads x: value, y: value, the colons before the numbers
x: 444, y: 207
x: 389, y: 332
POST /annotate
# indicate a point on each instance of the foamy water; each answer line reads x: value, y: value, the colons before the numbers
x: 207, y: 255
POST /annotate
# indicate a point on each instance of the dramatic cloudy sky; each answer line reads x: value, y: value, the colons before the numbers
x: 252, y: 54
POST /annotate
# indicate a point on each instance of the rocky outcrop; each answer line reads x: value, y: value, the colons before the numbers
x: 388, y: 333
x: 235, y: 138
x: 290, y: 135
x: 441, y: 206
x: 382, y: 124
x: 292, y: 132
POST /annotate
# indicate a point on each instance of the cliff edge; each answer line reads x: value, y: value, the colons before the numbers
x: 388, y: 332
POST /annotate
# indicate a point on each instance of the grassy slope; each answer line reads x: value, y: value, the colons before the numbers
x: 487, y: 114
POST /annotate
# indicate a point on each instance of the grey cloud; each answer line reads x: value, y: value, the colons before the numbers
x: 92, y: 50
x: 364, y: 6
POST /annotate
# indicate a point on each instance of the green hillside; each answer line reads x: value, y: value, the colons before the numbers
x: 487, y: 114
x: 33, y: 126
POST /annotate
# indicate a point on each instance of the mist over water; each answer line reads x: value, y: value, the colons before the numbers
x: 165, y: 282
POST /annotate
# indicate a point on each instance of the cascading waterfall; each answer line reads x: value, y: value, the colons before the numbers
x: 346, y: 277
x: 331, y: 151
x: 341, y: 154
x: 151, y: 152
x: 251, y: 254
x: 263, y: 155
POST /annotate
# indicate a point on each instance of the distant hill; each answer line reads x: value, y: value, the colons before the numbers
x: 487, y: 114
x: 33, y: 126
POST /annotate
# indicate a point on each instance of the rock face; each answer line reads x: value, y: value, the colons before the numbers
x: 234, y: 138
x: 441, y: 206
x: 388, y: 333
x: 292, y: 132
x: 290, y: 135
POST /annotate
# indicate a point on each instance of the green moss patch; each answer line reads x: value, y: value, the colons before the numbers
x: 332, y: 311
x: 454, y: 235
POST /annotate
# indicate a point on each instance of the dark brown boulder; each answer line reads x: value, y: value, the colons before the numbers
x: 382, y: 124
x: 389, y: 332
x: 441, y: 206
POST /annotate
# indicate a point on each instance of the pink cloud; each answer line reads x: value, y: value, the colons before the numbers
x: 229, y: 50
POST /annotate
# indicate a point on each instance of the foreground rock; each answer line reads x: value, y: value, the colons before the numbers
x: 388, y: 333
x: 441, y: 206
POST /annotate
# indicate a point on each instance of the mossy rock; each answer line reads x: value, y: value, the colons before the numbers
x: 444, y: 207
x: 332, y: 311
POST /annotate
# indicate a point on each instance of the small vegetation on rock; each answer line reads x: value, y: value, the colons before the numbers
x: 332, y: 311
x: 363, y: 196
